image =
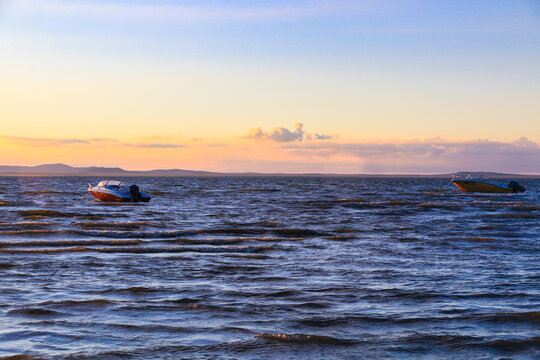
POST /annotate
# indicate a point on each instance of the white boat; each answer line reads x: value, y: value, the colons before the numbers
x: 483, y: 185
x: 114, y: 190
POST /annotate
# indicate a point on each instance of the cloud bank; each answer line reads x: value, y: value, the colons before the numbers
x: 292, y: 151
x: 31, y: 141
x: 430, y: 156
x: 58, y: 142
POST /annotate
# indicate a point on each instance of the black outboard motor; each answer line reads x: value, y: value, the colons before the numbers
x: 516, y: 188
x: 135, y: 193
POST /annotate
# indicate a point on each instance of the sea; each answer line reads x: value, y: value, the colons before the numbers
x: 269, y: 268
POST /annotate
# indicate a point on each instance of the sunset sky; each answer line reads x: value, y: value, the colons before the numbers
x: 272, y: 86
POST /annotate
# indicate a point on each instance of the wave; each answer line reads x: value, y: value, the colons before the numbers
x: 133, y: 234
x: 206, y: 241
x: 524, y: 207
x: 34, y: 232
x: 250, y: 256
x: 133, y: 290
x: 394, y: 293
x: 286, y: 232
x: 313, y: 305
x: 532, y: 317
x: 45, y: 243
x: 465, y: 342
x: 298, y: 232
x: 77, y: 303
x: 44, y: 251
x: 260, y: 189
x: 152, y: 328
x: 142, y: 249
x: 7, y: 265
x: 354, y: 320
x: 28, y: 224
x: 34, y: 311
x: 225, y: 241
x: 431, y: 205
x: 128, y: 225
x: 95, y: 230
x: 340, y: 237
x: 409, y: 239
x: 282, y: 293
x: 446, y: 340
x: 22, y: 357
x: 351, y: 200
x: 515, y: 345
x: 184, y: 301
x: 514, y: 215
x: 161, y: 193
x: 305, y: 339
x: 206, y: 307
x: 42, y: 213
x: 37, y: 192
x: 254, y: 223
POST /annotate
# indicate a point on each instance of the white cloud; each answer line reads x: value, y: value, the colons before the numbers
x: 281, y: 134
x: 278, y: 134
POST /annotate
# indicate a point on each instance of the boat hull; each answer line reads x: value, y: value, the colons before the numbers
x: 110, y: 197
x: 481, y: 187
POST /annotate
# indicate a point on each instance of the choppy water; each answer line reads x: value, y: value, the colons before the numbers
x: 280, y: 268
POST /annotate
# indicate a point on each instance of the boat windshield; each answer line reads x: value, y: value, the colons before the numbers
x: 104, y: 183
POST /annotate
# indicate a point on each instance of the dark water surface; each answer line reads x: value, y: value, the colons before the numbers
x: 279, y: 268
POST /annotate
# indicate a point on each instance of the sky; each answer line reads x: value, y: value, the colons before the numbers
x: 295, y: 86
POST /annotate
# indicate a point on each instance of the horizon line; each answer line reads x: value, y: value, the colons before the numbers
x: 194, y: 173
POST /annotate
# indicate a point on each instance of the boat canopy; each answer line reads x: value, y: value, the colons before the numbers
x: 104, y: 183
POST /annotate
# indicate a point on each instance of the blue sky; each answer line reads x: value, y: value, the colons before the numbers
x: 358, y: 71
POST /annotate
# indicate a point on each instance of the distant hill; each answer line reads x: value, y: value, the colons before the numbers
x: 66, y: 170
x: 57, y: 169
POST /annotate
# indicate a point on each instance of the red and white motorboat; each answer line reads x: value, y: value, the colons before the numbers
x: 114, y: 190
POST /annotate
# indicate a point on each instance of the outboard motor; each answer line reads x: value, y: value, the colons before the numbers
x: 516, y: 188
x: 135, y: 193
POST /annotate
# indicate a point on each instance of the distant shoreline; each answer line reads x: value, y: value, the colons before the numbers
x: 66, y: 170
